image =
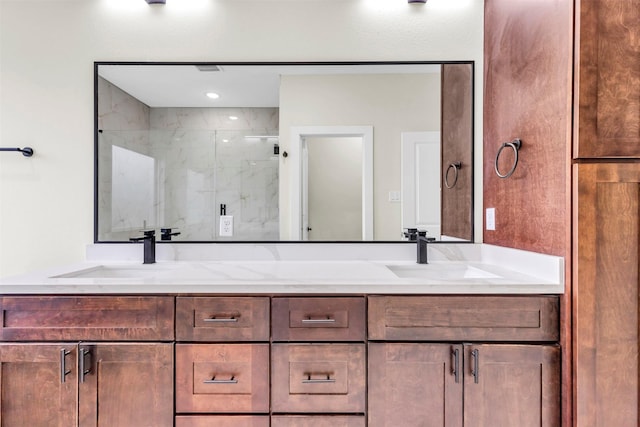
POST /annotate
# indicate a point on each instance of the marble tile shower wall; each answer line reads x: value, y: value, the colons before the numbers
x: 200, y: 159
x: 123, y: 122
x: 206, y: 159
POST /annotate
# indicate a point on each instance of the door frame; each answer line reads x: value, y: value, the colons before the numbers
x: 298, y: 133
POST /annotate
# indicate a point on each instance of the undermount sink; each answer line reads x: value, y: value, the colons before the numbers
x: 118, y: 271
x: 439, y: 271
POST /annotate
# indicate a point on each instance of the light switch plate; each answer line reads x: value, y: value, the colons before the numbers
x: 490, y: 219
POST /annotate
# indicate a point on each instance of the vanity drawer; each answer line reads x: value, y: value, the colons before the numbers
x: 317, y: 421
x: 318, y: 378
x: 222, y: 421
x: 318, y: 319
x: 222, y: 319
x: 464, y: 318
x: 87, y: 318
x: 230, y: 378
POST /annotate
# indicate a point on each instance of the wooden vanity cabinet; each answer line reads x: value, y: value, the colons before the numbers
x: 417, y: 375
x: 318, y: 361
x: 96, y: 383
x: 222, y: 361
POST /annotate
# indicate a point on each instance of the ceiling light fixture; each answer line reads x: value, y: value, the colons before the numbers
x: 212, y: 95
x: 156, y: 1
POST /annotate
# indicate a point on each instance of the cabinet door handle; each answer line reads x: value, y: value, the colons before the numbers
x: 310, y: 380
x: 455, y: 369
x: 82, y: 365
x: 63, y: 364
x: 214, y: 319
x: 475, y: 370
x: 327, y: 319
x: 213, y: 380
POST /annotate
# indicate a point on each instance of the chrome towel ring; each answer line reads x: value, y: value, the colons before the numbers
x: 456, y: 167
x: 515, y: 146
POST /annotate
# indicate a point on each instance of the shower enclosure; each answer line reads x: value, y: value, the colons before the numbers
x: 180, y: 178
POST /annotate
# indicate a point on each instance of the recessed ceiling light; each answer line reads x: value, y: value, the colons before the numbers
x: 233, y: 118
x: 212, y: 95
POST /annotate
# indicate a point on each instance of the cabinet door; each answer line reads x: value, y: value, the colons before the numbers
x: 606, y: 294
x: 512, y: 385
x: 126, y: 385
x: 38, y: 385
x: 608, y: 80
x: 415, y: 385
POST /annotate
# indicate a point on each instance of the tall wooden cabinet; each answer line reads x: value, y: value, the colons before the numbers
x: 607, y: 234
x: 606, y: 224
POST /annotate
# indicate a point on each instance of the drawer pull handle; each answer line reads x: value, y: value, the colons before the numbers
x: 310, y: 380
x: 455, y: 370
x: 214, y: 319
x: 475, y: 369
x: 83, y: 370
x: 327, y: 319
x: 213, y: 380
x: 63, y: 364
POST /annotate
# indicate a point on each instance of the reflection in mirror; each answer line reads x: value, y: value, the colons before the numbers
x: 268, y: 152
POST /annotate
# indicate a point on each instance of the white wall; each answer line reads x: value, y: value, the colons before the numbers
x: 47, y: 50
x: 391, y: 103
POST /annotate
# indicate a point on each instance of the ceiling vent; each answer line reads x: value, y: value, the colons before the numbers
x: 208, y: 67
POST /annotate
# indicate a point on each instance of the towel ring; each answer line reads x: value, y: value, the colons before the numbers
x: 456, y: 167
x: 515, y: 146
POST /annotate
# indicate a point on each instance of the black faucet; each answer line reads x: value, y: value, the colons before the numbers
x: 149, y: 241
x: 165, y: 233
x: 422, y: 241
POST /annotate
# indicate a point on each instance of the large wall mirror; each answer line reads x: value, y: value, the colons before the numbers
x: 284, y: 151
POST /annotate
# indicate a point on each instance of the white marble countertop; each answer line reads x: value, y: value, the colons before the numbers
x: 452, y: 269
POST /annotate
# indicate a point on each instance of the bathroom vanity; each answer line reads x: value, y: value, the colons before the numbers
x: 290, y: 342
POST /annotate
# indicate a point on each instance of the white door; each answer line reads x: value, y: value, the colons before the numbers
x: 421, y: 182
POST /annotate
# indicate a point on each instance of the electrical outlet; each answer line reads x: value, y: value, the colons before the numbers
x: 226, y: 226
x: 490, y: 219
x: 394, y: 196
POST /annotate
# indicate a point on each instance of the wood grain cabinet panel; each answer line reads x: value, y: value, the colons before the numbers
x: 228, y: 378
x: 457, y: 141
x: 87, y: 318
x: 126, y: 384
x: 606, y: 294
x: 317, y: 421
x: 608, y: 78
x: 216, y: 319
x: 318, y: 378
x: 222, y: 421
x: 444, y: 385
x: 528, y: 51
x: 319, y: 319
x: 415, y: 384
x: 34, y: 391
x: 462, y: 318
x: 512, y: 385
